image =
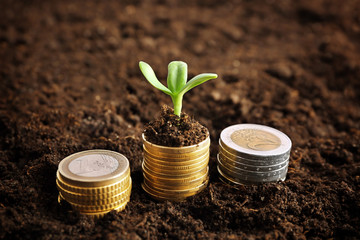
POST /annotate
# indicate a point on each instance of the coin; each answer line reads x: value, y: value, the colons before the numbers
x: 174, y: 173
x: 94, y: 182
x: 175, y: 150
x: 239, y: 181
x: 176, y: 190
x: 98, y: 215
x: 268, y: 177
x: 117, y: 186
x: 93, y: 168
x: 193, y: 179
x: 175, y: 156
x: 255, y: 174
x: 175, y: 162
x: 253, y: 141
x: 251, y: 154
x: 174, y: 196
x: 173, y: 176
x: 253, y: 161
x: 94, y: 199
x: 181, y: 186
x: 99, y: 208
x: 235, y: 164
x: 179, y: 170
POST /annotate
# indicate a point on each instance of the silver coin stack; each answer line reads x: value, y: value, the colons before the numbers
x: 253, y: 154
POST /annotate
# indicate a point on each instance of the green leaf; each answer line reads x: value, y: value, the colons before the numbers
x: 197, y: 80
x: 151, y: 77
x: 177, y: 76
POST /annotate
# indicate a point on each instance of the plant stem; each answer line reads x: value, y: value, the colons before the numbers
x: 177, y: 101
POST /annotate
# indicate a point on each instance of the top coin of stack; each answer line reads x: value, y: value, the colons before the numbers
x: 251, y: 153
x: 94, y: 182
x: 175, y: 173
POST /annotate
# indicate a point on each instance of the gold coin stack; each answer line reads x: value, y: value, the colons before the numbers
x: 175, y: 173
x: 94, y: 182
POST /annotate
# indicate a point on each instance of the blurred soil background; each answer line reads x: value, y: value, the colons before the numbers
x: 70, y: 82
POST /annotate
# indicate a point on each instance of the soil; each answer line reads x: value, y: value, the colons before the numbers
x: 70, y: 82
x: 172, y: 131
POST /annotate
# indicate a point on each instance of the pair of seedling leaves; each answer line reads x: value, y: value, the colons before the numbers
x: 176, y: 81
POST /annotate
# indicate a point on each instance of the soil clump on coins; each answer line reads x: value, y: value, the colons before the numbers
x: 170, y: 130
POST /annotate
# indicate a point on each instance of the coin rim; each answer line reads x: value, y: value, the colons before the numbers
x: 254, y: 178
x: 176, y: 156
x: 192, y: 177
x: 172, y: 176
x: 81, y: 181
x: 176, y: 150
x: 93, y: 189
x: 225, y: 138
x: 93, y: 199
x: 176, y: 162
x: 239, y: 181
x: 166, y: 169
x: 244, y: 166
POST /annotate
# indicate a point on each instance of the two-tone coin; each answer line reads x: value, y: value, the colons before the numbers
x: 175, y: 173
x: 94, y: 182
x: 251, y: 153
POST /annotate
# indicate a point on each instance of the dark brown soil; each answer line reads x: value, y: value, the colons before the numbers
x: 70, y: 81
x: 173, y: 131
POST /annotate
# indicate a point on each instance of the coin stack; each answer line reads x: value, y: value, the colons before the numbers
x: 253, y: 154
x: 175, y: 173
x: 94, y: 182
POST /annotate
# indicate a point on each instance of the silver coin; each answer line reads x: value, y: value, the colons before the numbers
x: 252, y: 178
x: 237, y: 172
x: 254, y: 142
x: 239, y: 165
x: 255, y: 162
x: 244, y: 181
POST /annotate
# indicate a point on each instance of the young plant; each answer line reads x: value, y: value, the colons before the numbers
x: 176, y: 81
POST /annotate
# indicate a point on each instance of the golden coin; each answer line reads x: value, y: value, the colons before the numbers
x: 175, y: 156
x: 93, y: 168
x: 175, y: 162
x: 105, y: 195
x: 60, y: 199
x: 176, y: 150
x: 98, y: 208
x: 98, y: 215
x: 164, y: 188
x: 172, y: 180
x: 103, y: 202
x: 177, y: 182
x: 182, y: 186
x: 94, y: 199
x: 178, y: 170
x: 171, y: 192
x: 116, y: 186
x: 177, y: 196
x: 173, y: 175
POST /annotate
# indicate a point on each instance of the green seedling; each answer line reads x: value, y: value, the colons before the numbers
x: 176, y: 81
